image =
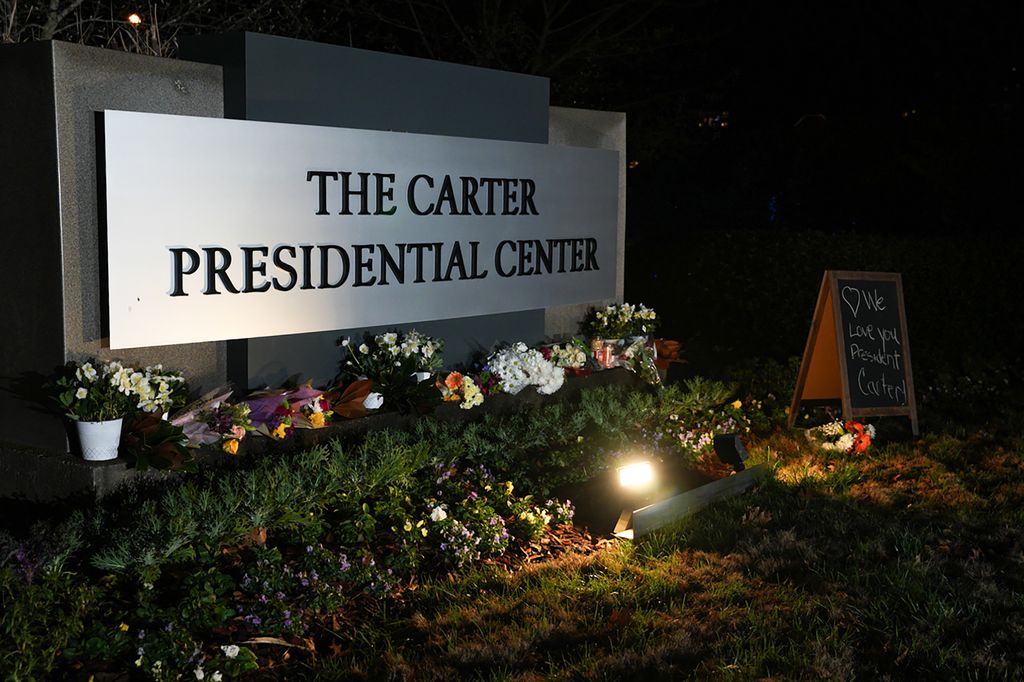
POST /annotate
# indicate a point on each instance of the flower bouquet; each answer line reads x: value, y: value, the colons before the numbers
x: 277, y: 413
x: 519, y: 366
x: 396, y: 363
x: 639, y: 358
x: 461, y: 388
x: 212, y: 419
x: 847, y: 437
x: 572, y: 357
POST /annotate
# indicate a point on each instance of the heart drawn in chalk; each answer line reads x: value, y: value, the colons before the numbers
x: 853, y: 300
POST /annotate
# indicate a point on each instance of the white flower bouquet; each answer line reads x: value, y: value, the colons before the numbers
x: 519, y: 366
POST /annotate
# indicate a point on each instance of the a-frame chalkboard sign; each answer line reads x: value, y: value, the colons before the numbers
x: 857, y: 350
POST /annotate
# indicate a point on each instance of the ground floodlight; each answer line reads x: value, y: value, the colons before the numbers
x: 636, y: 476
x: 730, y: 450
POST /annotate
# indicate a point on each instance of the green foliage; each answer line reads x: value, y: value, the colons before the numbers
x: 37, y: 619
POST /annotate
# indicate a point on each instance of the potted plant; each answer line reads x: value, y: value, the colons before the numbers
x: 399, y: 365
x: 98, y: 396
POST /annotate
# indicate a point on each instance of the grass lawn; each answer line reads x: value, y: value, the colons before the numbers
x: 907, y: 563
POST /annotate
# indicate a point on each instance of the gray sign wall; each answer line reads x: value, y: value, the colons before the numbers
x: 53, y: 303
x: 278, y: 79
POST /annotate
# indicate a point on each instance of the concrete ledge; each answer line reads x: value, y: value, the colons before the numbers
x: 41, y: 476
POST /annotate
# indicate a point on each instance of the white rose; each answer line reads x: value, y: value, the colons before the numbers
x: 373, y: 401
x: 438, y: 514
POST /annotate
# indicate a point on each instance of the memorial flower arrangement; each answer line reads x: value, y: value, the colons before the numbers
x: 277, y: 413
x: 847, y: 437
x: 158, y: 390
x: 317, y: 412
x: 639, y: 358
x: 570, y: 356
x: 619, y: 321
x: 396, y: 363
x: 461, y: 388
x: 519, y: 366
x: 214, y: 420
x: 96, y: 391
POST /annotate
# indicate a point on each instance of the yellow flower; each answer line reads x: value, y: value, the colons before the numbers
x: 279, y: 432
x: 123, y: 627
x: 230, y: 446
x: 509, y: 487
x: 317, y: 420
x: 579, y: 439
x: 737, y: 404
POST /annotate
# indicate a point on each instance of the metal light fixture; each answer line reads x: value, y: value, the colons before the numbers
x: 637, y: 476
x: 653, y: 509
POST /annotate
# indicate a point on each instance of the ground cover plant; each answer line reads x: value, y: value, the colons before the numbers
x: 297, y: 551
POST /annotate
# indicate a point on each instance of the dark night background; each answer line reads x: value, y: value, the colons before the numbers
x: 767, y: 141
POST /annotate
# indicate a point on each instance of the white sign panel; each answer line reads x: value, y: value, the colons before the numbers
x: 226, y: 229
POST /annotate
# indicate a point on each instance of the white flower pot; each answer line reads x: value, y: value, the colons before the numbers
x: 99, y: 440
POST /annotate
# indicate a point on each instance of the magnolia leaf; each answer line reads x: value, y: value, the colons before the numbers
x: 348, y: 404
x: 155, y: 442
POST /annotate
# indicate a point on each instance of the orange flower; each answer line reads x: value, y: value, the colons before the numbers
x: 862, y: 442
x: 230, y: 446
x: 316, y: 419
x: 855, y: 427
x: 453, y: 381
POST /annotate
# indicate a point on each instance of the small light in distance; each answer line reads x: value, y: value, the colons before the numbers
x: 134, y: 19
x: 636, y: 476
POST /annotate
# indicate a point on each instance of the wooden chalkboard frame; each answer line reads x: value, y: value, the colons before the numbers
x: 823, y: 376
